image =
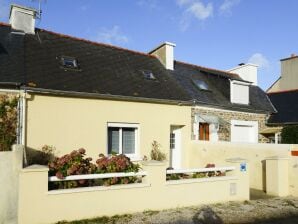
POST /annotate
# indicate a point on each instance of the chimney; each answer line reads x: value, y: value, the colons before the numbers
x: 248, y: 72
x: 165, y: 53
x: 293, y: 55
x: 22, y: 18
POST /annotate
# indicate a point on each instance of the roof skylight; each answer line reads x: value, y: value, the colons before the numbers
x: 148, y: 75
x: 200, y: 84
x: 69, y: 62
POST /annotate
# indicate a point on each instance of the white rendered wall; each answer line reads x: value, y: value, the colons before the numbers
x: 248, y: 72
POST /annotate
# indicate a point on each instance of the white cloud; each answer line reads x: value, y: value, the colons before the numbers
x: 227, y: 5
x: 259, y: 60
x: 201, y: 11
x: 4, y: 10
x: 111, y: 36
x: 194, y: 9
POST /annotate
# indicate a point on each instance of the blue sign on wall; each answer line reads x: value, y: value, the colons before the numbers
x: 243, y: 167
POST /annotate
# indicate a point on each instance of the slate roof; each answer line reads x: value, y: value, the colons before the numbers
x: 219, y: 88
x: 34, y: 61
x: 104, y: 69
x: 286, y: 103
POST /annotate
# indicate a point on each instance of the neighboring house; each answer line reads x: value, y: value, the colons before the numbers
x: 284, y: 96
x: 77, y: 93
x: 226, y: 107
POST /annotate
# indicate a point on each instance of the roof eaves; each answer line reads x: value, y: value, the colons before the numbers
x: 232, y: 108
x: 106, y: 96
x: 4, y: 24
x: 282, y: 123
x: 284, y: 91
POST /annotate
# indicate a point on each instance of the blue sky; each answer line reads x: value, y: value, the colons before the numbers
x: 213, y: 33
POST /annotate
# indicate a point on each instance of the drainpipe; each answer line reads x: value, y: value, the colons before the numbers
x: 23, y: 104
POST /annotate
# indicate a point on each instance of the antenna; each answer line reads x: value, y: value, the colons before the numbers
x: 39, y: 12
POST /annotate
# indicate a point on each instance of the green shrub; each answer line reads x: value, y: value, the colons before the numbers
x: 289, y: 135
x: 8, y: 122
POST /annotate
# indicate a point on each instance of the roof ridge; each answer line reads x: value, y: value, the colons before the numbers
x: 284, y: 91
x: 211, y: 69
x: 96, y: 43
x: 4, y: 24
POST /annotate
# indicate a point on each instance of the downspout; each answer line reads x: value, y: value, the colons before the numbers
x: 23, y: 115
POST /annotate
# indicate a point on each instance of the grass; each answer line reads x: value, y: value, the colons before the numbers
x: 100, y: 220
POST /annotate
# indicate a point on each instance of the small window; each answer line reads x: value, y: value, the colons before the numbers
x: 122, y: 139
x: 200, y: 84
x: 204, y: 131
x: 148, y: 75
x: 69, y: 62
x: 172, y: 140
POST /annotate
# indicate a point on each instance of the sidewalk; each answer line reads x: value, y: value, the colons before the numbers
x: 261, y: 211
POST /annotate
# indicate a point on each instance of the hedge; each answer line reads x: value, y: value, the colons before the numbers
x: 289, y: 134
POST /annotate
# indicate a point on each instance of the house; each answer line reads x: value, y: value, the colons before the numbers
x: 284, y: 95
x: 227, y: 106
x: 77, y: 93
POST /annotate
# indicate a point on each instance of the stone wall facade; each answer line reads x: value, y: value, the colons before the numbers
x: 224, y: 132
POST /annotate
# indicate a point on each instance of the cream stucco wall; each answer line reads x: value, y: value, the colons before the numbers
x: 207, y: 152
x: 289, y: 74
x: 11, y: 163
x: 71, y: 123
x: 155, y: 193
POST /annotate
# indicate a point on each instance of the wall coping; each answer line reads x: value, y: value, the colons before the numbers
x: 35, y: 168
x: 261, y: 146
x: 277, y: 158
x: 200, y: 180
x: 236, y: 160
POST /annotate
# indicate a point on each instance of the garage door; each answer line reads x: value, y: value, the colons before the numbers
x: 244, y: 131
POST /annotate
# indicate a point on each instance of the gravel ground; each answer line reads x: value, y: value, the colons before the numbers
x: 261, y: 211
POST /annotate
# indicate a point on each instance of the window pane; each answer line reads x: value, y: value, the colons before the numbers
x: 172, y: 141
x: 113, y: 138
x: 128, y: 140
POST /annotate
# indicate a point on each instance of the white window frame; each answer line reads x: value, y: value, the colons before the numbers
x: 232, y: 97
x: 120, y: 126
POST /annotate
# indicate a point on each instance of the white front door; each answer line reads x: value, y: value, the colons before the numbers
x: 175, y: 147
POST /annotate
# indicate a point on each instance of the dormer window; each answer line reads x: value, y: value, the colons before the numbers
x: 239, y: 92
x: 69, y: 62
x: 148, y: 75
x: 201, y: 85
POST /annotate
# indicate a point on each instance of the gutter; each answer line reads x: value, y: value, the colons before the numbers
x: 282, y: 124
x: 17, y: 85
x: 241, y: 109
x: 193, y: 102
x: 105, y: 96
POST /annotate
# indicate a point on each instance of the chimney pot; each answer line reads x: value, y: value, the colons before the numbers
x: 293, y: 55
x: 22, y: 18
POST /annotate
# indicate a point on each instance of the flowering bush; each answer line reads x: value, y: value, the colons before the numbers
x: 8, y: 122
x: 180, y: 176
x: 75, y: 164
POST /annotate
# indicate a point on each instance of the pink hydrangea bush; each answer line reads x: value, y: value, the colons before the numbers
x: 75, y: 164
